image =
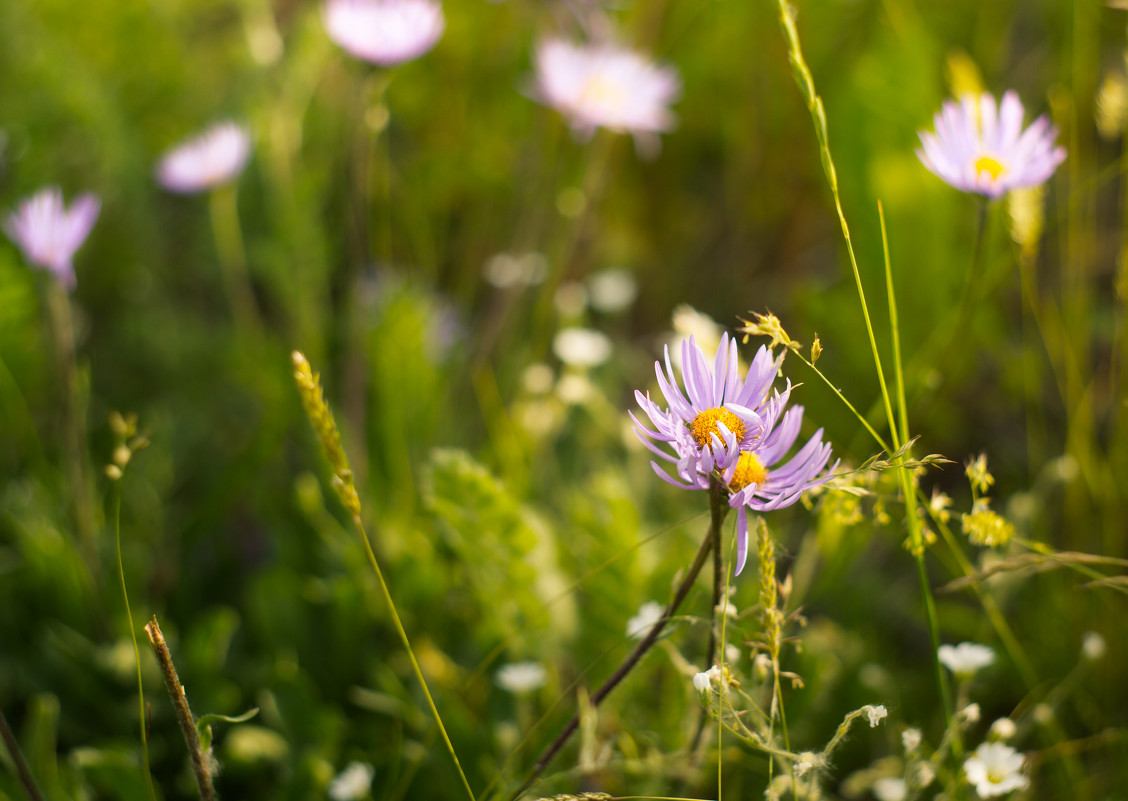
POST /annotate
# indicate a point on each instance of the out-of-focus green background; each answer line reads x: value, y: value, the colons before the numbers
x: 370, y: 209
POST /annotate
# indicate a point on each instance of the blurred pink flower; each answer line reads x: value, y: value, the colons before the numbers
x: 603, y: 85
x: 214, y: 157
x: 49, y: 233
x: 384, y: 32
x: 982, y: 148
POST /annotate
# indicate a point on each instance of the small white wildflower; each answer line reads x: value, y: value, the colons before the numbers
x: 890, y: 788
x: 727, y: 609
x: 1043, y: 713
x: 703, y: 682
x: 925, y: 774
x: 966, y: 658
x: 732, y: 654
x: 646, y: 618
x: 762, y: 666
x: 876, y: 714
x: 570, y: 299
x: 1002, y: 730
x: 521, y: 677
x: 537, y: 378
x: 575, y: 390
x: 970, y: 713
x: 353, y: 783
x: 612, y: 290
x: 808, y: 761
x: 581, y: 347
x: 910, y: 739
x: 995, y: 769
x: 1093, y: 646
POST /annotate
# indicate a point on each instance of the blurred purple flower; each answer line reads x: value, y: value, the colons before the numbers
x: 384, y: 32
x: 214, y: 157
x: 603, y: 85
x: 980, y: 147
x: 49, y: 233
x: 733, y: 429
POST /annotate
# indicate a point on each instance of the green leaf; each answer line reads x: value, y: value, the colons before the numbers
x: 203, y: 724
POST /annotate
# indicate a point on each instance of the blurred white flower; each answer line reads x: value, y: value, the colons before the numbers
x: 581, y: 347
x: 384, y: 32
x: 646, y: 618
x: 995, y: 769
x: 504, y: 270
x: 970, y: 713
x: 537, y: 378
x: 603, y: 85
x: 890, y: 788
x: 966, y: 658
x: 612, y: 290
x: 1002, y: 729
x: 49, y: 233
x: 876, y: 714
x: 688, y: 322
x: 1093, y: 646
x: 214, y: 157
x: 575, y: 390
x: 521, y: 677
x: 925, y: 774
x: 910, y: 740
x: 732, y: 653
x: 571, y: 299
x: 353, y: 783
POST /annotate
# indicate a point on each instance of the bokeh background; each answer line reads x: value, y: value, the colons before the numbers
x: 377, y: 212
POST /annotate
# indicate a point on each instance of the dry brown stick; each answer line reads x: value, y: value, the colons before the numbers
x: 183, y: 712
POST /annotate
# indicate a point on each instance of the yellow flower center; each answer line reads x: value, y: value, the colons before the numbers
x: 990, y: 166
x: 748, y: 471
x: 705, y: 425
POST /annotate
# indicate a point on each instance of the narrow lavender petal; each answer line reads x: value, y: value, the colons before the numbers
x: 741, y: 538
x: 719, y: 369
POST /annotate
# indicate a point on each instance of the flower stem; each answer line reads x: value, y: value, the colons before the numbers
x: 628, y: 664
x: 62, y: 325
x: 26, y: 779
x: 224, y: 210
x: 116, y: 501
x: 183, y: 711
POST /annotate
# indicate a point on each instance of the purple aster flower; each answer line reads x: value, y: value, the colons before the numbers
x: 384, y: 32
x: 603, y: 85
x: 981, y: 148
x: 732, y: 428
x: 752, y: 485
x: 49, y: 233
x: 214, y: 157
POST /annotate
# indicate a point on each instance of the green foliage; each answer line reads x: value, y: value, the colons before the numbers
x: 511, y: 509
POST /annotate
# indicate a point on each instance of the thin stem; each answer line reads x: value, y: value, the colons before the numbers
x: 894, y: 325
x: 116, y: 512
x: 375, y: 565
x: 26, y: 779
x: 718, y: 507
x: 640, y: 650
x: 806, y: 84
x: 224, y: 211
x: 58, y: 303
x: 183, y: 711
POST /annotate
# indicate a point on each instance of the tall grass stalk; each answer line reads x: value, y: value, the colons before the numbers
x: 74, y: 393
x: 322, y: 419
x: 814, y: 103
x: 223, y: 209
x: 115, y: 510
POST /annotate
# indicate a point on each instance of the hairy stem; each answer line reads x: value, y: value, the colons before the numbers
x: 183, y: 711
